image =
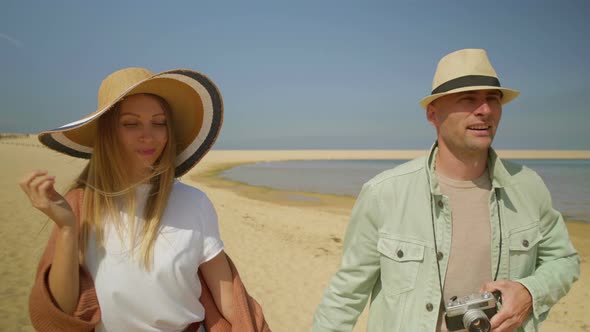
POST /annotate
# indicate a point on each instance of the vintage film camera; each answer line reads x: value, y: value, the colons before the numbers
x: 472, y: 312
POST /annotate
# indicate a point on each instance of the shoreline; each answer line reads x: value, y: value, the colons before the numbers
x: 396, y: 154
x: 340, y: 204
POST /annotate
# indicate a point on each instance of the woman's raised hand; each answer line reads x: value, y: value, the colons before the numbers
x: 39, y: 187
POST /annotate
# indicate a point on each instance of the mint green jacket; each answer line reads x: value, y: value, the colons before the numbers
x: 389, y: 251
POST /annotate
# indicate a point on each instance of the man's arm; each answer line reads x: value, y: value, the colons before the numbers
x: 558, y: 263
x: 349, y: 289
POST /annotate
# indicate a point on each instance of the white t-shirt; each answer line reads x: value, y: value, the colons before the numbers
x: 166, y: 298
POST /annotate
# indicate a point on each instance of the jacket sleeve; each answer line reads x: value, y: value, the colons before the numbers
x: 348, y: 291
x: 248, y: 316
x: 45, y: 315
x: 558, y: 263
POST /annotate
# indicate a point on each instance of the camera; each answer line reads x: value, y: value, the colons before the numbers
x: 471, y: 312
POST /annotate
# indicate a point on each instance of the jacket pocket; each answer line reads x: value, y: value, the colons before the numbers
x: 522, y: 246
x: 400, y: 261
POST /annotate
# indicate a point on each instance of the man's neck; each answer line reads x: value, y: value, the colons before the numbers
x: 460, y: 167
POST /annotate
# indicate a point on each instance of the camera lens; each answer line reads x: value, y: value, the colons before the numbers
x: 479, y: 325
x: 476, y: 321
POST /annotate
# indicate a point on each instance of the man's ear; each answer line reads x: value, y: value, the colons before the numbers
x: 430, y: 114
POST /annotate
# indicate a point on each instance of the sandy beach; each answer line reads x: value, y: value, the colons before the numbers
x: 285, y: 249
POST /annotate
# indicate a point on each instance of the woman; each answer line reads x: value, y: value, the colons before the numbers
x: 127, y: 234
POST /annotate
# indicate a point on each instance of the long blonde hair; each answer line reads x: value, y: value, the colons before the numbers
x: 106, y: 178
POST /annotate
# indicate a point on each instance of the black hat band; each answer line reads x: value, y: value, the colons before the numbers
x: 465, y: 81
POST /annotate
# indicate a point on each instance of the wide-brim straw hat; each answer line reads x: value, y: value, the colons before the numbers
x: 466, y: 70
x: 196, y: 104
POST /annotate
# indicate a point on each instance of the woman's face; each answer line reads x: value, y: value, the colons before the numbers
x: 142, y: 132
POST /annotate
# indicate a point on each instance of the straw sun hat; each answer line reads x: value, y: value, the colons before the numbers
x: 465, y: 70
x: 195, y: 101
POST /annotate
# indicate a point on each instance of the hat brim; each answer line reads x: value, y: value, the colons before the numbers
x: 197, y: 109
x: 507, y: 94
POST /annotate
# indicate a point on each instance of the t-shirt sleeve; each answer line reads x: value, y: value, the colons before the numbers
x: 212, y: 244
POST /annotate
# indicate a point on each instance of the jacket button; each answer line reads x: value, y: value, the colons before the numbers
x: 525, y: 243
x: 429, y: 306
x: 439, y: 255
x: 440, y: 204
x: 400, y: 253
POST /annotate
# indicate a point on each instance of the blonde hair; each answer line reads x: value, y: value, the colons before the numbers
x: 106, y: 178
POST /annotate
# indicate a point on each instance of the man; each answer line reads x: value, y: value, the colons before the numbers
x: 458, y: 221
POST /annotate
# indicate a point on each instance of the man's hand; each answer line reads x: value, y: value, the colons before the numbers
x: 517, y: 303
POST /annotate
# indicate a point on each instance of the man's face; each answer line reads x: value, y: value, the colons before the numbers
x: 466, y: 122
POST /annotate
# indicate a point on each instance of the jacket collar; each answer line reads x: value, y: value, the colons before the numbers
x: 499, y: 175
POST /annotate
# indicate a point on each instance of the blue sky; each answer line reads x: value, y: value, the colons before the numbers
x: 304, y: 74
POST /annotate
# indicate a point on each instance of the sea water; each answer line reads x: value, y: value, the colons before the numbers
x: 567, y: 180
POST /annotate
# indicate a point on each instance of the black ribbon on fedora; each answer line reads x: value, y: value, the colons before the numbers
x: 464, y: 81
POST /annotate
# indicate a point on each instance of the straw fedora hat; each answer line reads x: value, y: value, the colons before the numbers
x: 465, y: 70
x: 195, y: 101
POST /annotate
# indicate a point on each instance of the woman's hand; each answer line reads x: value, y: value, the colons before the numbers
x: 39, y: 187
